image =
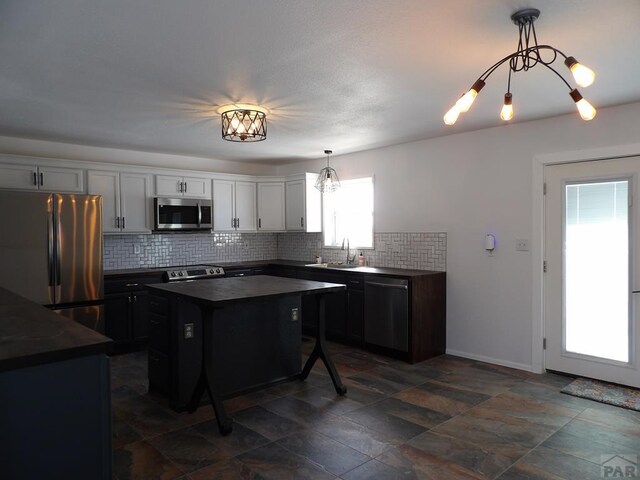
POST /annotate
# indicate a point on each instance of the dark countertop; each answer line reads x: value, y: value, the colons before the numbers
x: 384, y: 271
x: 32, y: 335
x: 223, y: 291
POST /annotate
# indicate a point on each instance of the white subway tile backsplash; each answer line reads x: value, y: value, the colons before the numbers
x: 423, y: 251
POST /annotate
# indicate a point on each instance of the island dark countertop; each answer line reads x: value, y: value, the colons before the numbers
x: 32, y: 335
x: 221, y: 291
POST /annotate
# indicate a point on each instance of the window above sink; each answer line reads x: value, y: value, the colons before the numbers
x: 348, y: 214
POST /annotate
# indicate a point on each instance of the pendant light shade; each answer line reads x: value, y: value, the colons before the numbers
x: 327, y: 178
x: 244, y: 125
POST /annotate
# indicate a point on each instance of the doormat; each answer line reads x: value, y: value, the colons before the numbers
x: 603, y: 392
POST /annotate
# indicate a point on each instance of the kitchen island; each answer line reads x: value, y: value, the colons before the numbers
x: 55, y: 400
x: 231, y: 335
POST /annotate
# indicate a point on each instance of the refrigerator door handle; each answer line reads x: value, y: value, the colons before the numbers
x: 58, y: 253
x: 50, y: 254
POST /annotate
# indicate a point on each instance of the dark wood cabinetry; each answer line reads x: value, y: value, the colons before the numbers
x: 126, y: 308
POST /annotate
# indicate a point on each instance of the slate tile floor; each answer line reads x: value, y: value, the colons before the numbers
x: 446, y: 418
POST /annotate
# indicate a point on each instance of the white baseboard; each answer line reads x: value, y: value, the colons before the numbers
x: 495, y: 361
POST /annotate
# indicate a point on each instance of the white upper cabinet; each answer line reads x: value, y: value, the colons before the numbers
x: 125, y: 200
x: 246, y: 218
x: 135, y: 203
x: 271, y: 206
x: 107, y: 184
x: 176, y: 186
x: 303, y: 204
x: 224, y: 209
x: 234, y: 206
x: 47, y: 179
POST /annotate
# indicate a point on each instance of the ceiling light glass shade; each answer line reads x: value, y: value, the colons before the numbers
x: 586, y: 110
x: 583, y: 76
x: 327, y: 181
x: 452, y: 115
x: 244, y: 125
x: 506, y: 113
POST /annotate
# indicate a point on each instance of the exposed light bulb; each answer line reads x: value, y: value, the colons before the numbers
x: 506, y: 113
x: 452, y: 115
x: 586, y: 110
x: 464, y: 103
x: 583, y: 76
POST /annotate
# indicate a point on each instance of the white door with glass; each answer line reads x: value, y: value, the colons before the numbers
x: 591, y: 256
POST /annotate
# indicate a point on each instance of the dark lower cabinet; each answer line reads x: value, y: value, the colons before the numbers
x: 355, y: 315
x: 126, y: 311
x: 335, y: 304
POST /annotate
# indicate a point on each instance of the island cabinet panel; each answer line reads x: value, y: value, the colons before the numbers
x: 263, y: 330
x: 355, y: 308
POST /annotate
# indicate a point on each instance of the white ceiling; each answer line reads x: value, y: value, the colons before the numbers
x: 346, y: 75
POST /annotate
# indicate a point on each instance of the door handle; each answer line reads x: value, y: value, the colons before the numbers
x: 302, y: 222
x: 199, y: 212
x: 135, y: 299
x: 35, y: 179
x: 185, y: 187
x: 180, y: 187
x: 238, y: 222
x: 131, y: 285
x: 41, y: 179
x: 233, y: 223
x: 123, y: 223
x: 50, y: 266
x: 259, y: 223
x: 117, y: 222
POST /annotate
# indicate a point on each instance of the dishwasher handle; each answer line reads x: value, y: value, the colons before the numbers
x: 388, y: 285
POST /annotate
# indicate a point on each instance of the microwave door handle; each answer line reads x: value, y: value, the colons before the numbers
x: 199, y: 214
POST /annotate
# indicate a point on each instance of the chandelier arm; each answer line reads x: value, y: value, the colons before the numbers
x: 497, y: 65
x: 558, y: 74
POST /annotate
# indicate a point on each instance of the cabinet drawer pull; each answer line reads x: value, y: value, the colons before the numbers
x: 132, y: 284
x: 387, y: 285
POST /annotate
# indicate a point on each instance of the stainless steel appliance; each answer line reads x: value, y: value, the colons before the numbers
x: 173, y: 214
x: 51, y: 252
x: 194, y: 272
x: 387, y: 313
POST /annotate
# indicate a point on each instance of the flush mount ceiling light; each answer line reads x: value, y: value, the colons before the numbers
x: 528, y: 55
x: 244, y: 123
x: 327, y: 178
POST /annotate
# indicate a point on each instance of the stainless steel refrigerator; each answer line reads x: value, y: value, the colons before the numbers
x: 51, y: 252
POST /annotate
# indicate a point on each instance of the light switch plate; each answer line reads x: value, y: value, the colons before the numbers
x: 522, y: 245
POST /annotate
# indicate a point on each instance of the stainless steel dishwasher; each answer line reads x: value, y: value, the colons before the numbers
x: 387, y: 313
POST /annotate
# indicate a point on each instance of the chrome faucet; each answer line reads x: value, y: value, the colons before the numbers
x: 350, y: 259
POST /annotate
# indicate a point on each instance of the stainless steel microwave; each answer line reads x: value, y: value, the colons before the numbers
x: 173, y: 214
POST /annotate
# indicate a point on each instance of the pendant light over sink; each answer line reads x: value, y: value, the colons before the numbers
x: 327, y: 178
x: 528, y: 54
x: 244, y: 123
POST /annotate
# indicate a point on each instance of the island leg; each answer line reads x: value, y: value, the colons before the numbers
x: 320, y: 351
x: 207, y: 378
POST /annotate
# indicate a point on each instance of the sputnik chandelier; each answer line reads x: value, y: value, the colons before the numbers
x: 528, y: 55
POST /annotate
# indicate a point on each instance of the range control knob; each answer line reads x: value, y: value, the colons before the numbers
x: 173, y: 274
x: 217, y: 270
x: 211, y: 271
x: 180, y: 274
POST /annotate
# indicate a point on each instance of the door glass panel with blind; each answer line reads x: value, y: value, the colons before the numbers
x: 590, y: 244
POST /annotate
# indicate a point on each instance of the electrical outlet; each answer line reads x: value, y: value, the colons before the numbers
x: 294, y: 314
x: 136, y: 249
x: 188, y: 330
x: 522, y: 245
